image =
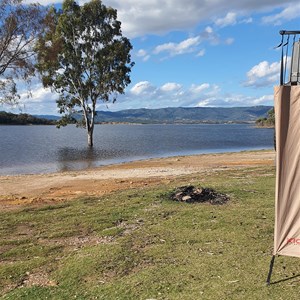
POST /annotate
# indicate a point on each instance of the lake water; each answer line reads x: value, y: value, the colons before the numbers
x: 45, y: 149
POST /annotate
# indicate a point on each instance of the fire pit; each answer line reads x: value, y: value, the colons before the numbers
x: 191, y: 194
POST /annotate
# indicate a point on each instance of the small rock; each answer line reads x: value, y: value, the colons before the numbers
x: 186, y: 198
x: 198, y: 191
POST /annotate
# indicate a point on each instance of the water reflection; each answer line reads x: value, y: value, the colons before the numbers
x: 70, y: 159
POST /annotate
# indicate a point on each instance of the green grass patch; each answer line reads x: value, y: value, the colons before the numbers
x: 139, y: 244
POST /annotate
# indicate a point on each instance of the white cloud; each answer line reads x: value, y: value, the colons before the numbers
x: 172, y: 94
x: 171, y: 87
x: 146, y: 94
x: 264, y: 74
x: 210, y: 35
x: 264, y: 69
x: 41, y: 100
x: 201, y: 53
x: 289, y: 13
x: 246, y: 21
x: 143, y: 54
x: 140, y: 18
x: 143, y: 87
x: 229, y: 19
x: 186, y: 46
x: 34, y: 99
x: 191, y: 45
x: 231, y: 100
x: 263, y: 99
x: 158, y: 17
x: 208, y: 30
x: 198, y: 89
x: 169, y: 94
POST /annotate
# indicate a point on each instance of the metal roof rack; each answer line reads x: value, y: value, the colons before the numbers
x: 294, y: 68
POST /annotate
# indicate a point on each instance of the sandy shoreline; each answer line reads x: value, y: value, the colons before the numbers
x: 44, y: 188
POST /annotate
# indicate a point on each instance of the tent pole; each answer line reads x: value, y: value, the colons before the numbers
x: 271, y: 269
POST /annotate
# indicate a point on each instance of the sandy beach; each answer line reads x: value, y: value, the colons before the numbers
x: 63, y: 186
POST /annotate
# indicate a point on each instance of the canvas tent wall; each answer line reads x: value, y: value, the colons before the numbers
x: 287, y: 197
x: 287, y: 128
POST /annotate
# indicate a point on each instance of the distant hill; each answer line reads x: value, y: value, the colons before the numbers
x: 180, y: 115
x: 48, y: 117
x: 185, y: 115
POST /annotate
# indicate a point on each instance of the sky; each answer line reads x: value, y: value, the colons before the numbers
x: 194, y: 53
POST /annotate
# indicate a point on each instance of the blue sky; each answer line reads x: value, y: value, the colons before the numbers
x: 195, y: 53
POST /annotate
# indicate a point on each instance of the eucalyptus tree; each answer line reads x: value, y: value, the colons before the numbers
x: 84, y: 57
x: 20, y: 24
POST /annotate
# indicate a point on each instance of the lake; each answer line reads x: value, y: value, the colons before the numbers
x: 46, y: 149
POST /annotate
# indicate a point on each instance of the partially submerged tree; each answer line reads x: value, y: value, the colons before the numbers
x: 20, y: 25
x: 84, y: 57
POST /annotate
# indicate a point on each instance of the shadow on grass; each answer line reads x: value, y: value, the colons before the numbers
x: 285, y: 279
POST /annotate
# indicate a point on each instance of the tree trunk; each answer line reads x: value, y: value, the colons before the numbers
x: 90, y: 137
x: 90, y: 125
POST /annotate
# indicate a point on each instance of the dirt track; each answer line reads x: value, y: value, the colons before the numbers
x: 25, y: 189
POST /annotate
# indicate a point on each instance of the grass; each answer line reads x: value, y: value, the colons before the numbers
x: 138, y: 244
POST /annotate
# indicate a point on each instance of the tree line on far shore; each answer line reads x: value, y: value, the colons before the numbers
x: 22, y: 119
x: 268, y: 121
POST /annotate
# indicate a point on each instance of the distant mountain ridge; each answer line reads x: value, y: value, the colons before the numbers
x: 181, y: 115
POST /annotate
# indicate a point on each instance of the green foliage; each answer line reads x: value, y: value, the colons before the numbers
x: 22, y: 119
x: 271, y: 116
x: 20, y: 24
x: 267, y: 122
x: 84, y: 57
x: 65, y: 120
x: 138, y: 244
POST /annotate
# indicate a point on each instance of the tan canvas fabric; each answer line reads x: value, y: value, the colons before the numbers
x: 287, y: 208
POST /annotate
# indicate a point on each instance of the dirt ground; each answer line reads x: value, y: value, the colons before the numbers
x: 56, y: 187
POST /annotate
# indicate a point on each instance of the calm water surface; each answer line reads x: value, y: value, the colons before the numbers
x: 45, y: 149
